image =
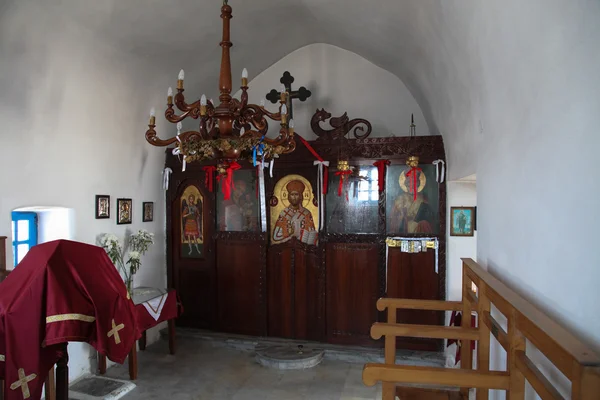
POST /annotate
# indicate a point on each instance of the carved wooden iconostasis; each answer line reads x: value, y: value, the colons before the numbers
x: 294, y: 280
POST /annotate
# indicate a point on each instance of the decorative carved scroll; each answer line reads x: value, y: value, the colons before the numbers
x: 361, y: 128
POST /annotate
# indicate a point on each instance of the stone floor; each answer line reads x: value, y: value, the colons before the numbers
x: 203, y: 370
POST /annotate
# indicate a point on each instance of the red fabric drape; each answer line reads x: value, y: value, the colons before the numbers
x: 228, y: 181
x: 342, y: 175
x: 412, y: 175
x: 209, y: 170
x: 381, y: 164
x: 318, y: 157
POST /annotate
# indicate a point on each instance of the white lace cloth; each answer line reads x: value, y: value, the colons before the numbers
x: 155, y: 306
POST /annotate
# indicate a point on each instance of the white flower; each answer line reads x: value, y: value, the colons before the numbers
x: 134, y: 255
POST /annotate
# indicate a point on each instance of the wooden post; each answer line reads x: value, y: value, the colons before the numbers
x: 586, y: 383
x: 483, y: 344
x: 172, y: 336
x: 50, y: 387
x: 517, y: 343
x: 2, y: 253
x: 142, y: 341
x: 466, y: 361
x: 62, y: 375
x: 133, y: 362
x: 101, y: 364
x: 388, y: 388
x: 1, y: 389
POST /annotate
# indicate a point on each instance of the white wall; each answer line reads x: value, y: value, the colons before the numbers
x: 537, y: 175
x: 458, y: 194
x: 73, y: 112
x: 340, y: 81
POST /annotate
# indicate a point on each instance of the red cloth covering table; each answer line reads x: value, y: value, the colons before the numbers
x: 62, y: 291
x: 152, y: 306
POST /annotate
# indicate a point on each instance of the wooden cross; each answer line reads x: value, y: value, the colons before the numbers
x: 23, y: 383
x: 115, y: 331
x: 301, y: 94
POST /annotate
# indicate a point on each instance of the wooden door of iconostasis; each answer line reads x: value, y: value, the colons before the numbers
x: 190, y: 253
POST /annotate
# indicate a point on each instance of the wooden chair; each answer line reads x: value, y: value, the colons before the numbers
x: 526, y: 324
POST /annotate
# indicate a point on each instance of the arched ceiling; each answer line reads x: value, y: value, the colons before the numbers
x: 451, y: 54
x: 412, y: 39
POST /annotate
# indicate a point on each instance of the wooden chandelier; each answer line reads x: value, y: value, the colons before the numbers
x: 231, y: 130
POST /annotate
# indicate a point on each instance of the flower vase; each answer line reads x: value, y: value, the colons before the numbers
x: 129, y: 284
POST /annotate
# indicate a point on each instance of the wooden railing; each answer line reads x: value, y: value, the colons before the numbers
x: 526, y: 324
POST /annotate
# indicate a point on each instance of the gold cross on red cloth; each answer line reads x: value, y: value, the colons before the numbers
x: 23, y: 383
x: 115, y: 331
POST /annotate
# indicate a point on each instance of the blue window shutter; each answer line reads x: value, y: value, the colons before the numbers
x: 32, y: 237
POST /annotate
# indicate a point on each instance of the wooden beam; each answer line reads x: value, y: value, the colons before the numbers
x: 494, y: 327
x: 411, y: 304
x: 379, y: 329
x: 373, y: 373
x: 536, y: 379
x: 587, y: 384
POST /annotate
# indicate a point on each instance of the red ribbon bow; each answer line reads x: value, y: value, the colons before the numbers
x: 318, y: 157
x: 208, y: 177
x: 342, y: 175
x: 412, y: 175
x: 381, y: 164
x: 228, y: 181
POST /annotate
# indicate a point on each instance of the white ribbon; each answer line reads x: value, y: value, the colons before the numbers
x: 437, y: 174
x: 166, y: 172
x: 262, y: 197
x: 321, y: 195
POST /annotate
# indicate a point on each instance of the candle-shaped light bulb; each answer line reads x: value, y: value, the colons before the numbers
x: 292, y: 124
x: 245, y: 73
x: 212, y: 102
x: 181, y: 75
x: 262, y: 102
x: 152, y: 116
x: 283, y: 109
x: 179, y: 126
x: 282, y: 88
x: 242, y: 131
x: 203, y: 105
x: 170, y: 96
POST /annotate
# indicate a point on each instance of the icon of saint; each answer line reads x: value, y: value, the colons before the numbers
x: 240, y: 212
x: 192, y: 222
x: 409, y: 215
x: 295, y: 220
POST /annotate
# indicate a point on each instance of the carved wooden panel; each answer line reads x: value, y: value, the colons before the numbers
x: 191, y: 253
x: 240, y: 286
x: 352, y: 291
x: 293, y: 286
x: 413, y: 276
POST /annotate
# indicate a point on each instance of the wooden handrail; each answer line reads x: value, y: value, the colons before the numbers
x: 434, y: 376
x: 411, y: 304
x: 380, y: 329
x: 558, y: 344
x: 526, y: 324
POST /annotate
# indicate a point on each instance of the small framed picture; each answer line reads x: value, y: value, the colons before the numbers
x: 124, y: 211
x: 102, y: 206
x: 462, y: 221
x: 148, y: 209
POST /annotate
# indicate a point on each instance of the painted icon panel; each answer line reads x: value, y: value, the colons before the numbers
x: 192, y: 224
x: 294, y: 211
